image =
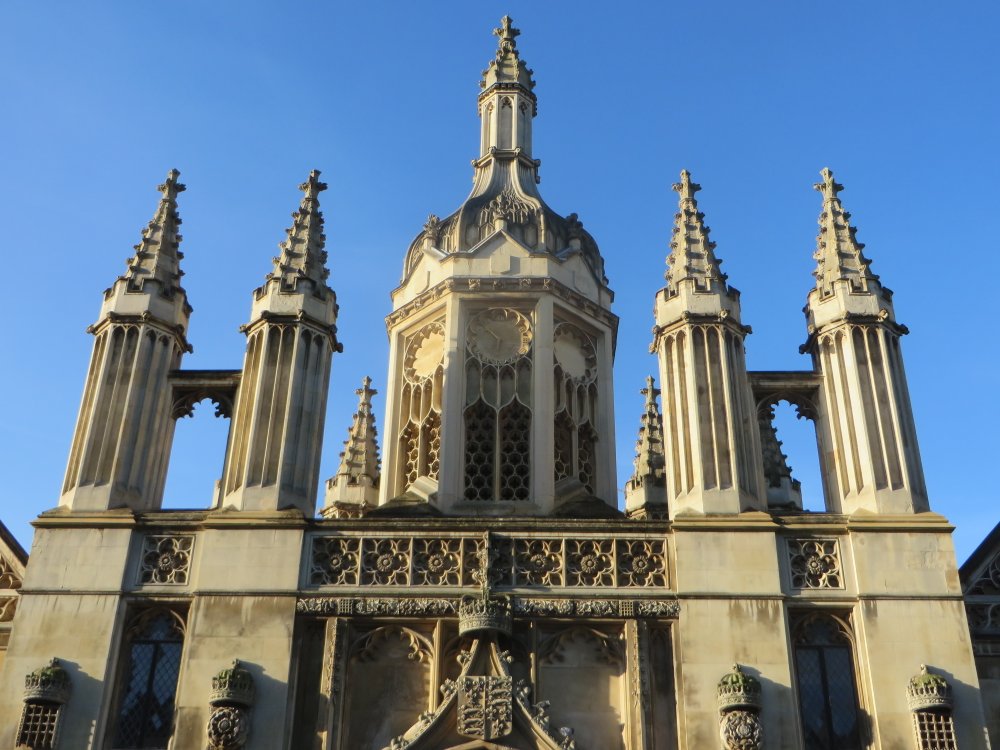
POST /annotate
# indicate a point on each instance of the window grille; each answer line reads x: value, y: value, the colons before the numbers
x: 152, y: 659
x: 935, y: 730
x: 39, y: 726
x: 824, y: 671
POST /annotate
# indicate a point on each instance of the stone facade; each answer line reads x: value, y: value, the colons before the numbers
x: 477, y: 587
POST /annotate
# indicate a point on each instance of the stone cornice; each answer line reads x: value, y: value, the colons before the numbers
x: 489, y: 285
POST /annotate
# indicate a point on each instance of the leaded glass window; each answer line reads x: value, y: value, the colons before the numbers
x: 148, y: 683
x: 824, y: 671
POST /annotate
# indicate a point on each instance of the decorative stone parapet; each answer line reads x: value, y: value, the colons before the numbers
x: 231, y: 698
x: 928, y: 692
x: 513, y: 561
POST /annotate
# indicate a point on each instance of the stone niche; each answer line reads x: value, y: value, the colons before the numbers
x: 389, y: 674
x: 581, y: 672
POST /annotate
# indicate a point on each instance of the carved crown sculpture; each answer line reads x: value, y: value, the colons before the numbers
x: 232, y: 687
x: 484, y: 613
x: 49, y: 684
x: 928, y: 692
x: 739, y: 690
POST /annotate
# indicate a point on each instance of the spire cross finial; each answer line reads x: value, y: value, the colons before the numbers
x: 685, y: 187
x: 313, y: 187
x: 171, y: 187
x: 507, y: 34
x: 366, y: 391
x: 828, y: 187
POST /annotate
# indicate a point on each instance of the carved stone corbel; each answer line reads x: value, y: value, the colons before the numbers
x: 739, y: 707
x: 231, y: 700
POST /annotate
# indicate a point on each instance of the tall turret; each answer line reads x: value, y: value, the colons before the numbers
x: 277, y: 432
x: 711, y: 442
x: 867, y: 435
x: 354, y: 488
x: 124, y: 430
x: 501, y: 339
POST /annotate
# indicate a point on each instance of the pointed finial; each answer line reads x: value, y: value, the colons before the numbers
x: 171, y: 187
x: 313, y: 187
x: 685, y: 188
x: 507, y: 34
x: 828, y: 187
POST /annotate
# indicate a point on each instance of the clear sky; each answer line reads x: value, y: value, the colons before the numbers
x: 99, y: 100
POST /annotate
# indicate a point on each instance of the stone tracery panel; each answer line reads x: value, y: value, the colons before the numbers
x: 575, y: 409
x: 498, y: 406
x: 506, y: 560
x: 419, y: 433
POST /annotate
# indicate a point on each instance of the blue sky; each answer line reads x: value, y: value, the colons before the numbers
x: 900, y: 99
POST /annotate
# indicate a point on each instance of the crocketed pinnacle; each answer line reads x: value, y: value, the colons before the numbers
x: 157, y: 256
x: 302, y: 255
x: 360, y: 457
x: 649, y: 461
x: 507, y: 67
x: 691, y: 257
x: 838, y: 255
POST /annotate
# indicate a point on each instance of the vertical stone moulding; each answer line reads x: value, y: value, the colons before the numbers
x: 46, y: 690
x: 739, y: 709
x: 231, y: 700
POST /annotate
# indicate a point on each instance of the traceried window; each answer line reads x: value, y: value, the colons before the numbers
x: 420, y: 406
x: 575, y: 407
x: 824, y: 672
x: 498, y: 406
x: 151, y: 659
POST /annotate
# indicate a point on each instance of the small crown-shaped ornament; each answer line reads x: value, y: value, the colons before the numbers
x: 928, y: 692
x: 484, y: 613
x: 232, y: 686
x: 49, y: 684
x: 739, y: 690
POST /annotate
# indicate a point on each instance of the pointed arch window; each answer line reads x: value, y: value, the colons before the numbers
x: 498, y: 406
x: 575, y: 410
x: 419, y: 435
x: 147, y: 686
x: 825, y: 678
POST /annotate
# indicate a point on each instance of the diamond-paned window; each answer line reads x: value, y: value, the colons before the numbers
x: 152, y: 657
x: 824, y: 671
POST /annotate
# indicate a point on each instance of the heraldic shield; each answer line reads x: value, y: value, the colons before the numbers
x: 485, y: 707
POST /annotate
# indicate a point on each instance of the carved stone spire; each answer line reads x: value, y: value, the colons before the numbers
x: 839, y: 255
x: 711, y: 441
x: 508, y: 67
x: 277, y: 432
x: 645, y: 491
x: 691, y: 256
x: 124, y: 430
x: 867, y: 423
x: 355, y: 485
x: 302, y: 255
x: 157, y: 256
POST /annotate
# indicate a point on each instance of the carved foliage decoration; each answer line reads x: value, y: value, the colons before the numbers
x: 815, y: 563
x: 427, y: 560
x: 166, y: 559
